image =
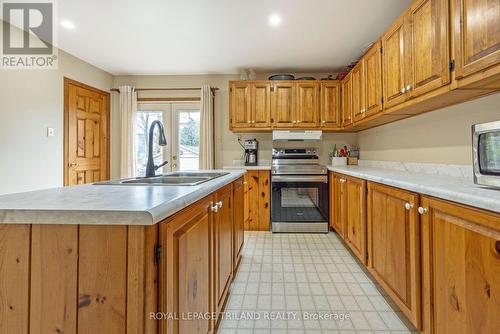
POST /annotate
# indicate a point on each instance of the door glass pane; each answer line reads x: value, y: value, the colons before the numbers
x: 143, y: 122
x: 189, y: 140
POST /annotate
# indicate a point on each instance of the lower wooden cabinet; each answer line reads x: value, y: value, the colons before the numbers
x: 258, y: 200
x: 394, y: 246
x: 355, y: 234
x: 338, y: 209
x: 238, y: 221
x: 461, y: 268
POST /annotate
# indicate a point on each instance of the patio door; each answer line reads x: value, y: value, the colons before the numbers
x: 182, y: 131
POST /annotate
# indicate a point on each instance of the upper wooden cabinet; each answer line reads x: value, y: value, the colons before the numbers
x: 357, y: 92
x: 283, y: 104
x: 372, y: 80
x: 307, y: 109
x: 428, y: 53
x: 250, y: 104
x: 394, y: 246
x: 330, y: 105
x: 476, y: 36
x: 393, y: 59
x: 346, y: 114
x: 460, y: 267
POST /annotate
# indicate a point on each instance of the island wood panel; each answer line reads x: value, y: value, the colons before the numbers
x: 72, y: 279
x: 14, y: 278
x: 186, y: 278
x: 461, y: 268
x: 252, y: 223
x: 264, y: 200
x: 54, y: 279
x: 393, y: 240
x: 246, y: 204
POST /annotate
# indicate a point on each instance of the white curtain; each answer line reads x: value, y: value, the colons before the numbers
x: 128, y: 109
x: 206, y: 129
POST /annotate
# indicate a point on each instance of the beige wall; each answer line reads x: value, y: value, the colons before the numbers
x: 31, y: 101
x: 441, y: 136
x: 227, y: 147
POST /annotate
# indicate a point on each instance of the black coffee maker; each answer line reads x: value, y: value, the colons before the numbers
x: 251, y: 147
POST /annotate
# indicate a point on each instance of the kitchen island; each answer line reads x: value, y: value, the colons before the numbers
x: 119, y: 259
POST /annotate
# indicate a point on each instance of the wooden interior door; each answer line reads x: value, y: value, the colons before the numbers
x: 223, y: 229
x: 307, y: 104
x: 347, y: 100
x: 185, y: 274
x: 261, y: 104
x: 429, y: 46
x: 330, y: 104
x: 283, y: 104
x: 394, y: 246
x: 393, y: 60
x: 475, y: 34
x: 357, y: 92
x: 461, y: 268
x: 238, y: 220
x: 372, y: 80
x: 241, y: 109
x: 86, y: 134
x: 355, y: 234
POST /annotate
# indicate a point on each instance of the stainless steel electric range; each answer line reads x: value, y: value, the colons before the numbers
x: 299, y: 197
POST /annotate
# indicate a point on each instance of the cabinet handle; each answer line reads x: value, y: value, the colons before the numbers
x: 298, y: 121
x: 249, y: 122
x: 253, y: 122
x: 219, y: 204
x: 245, y: 182
x: 408, y: 88
x: 73, y: 164
x: 323, y: 122
x: 408, y: 206
x: 422, y: 210
x: 214, y: 208
x: 403, y: 90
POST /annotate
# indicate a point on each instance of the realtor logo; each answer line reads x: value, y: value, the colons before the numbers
x: 28, y: 35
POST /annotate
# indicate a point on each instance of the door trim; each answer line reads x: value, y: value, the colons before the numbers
x: 67, y: 82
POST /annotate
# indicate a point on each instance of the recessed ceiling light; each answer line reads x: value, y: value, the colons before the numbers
x: 275, y: 20
x: 67, y: 24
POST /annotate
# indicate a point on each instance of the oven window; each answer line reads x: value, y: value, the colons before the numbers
x: 489, y: 153
x: 293, y: 202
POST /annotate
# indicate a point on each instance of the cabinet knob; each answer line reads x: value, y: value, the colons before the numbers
x: 253, y: 122
x: 298, y: 121
x: 249, y: 122
x: 73, y: 164
x: 219, y: 204
x: 214, y: 208
x: 408, y: 88
x: 422, y: 210
x: 408, y: 206
x: 323, y: 122
x: 403, y: 90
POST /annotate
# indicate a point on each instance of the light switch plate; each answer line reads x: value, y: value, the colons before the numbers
x: 50, y: 132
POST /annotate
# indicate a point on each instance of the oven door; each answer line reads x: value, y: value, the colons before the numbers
x: 299, y: 203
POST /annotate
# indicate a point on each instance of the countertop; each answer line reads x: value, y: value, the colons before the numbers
x: 239, y: 164
x: 105, y: 204
x: 455, y: 189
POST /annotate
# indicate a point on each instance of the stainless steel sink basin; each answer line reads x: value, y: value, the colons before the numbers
x: 169, y: 179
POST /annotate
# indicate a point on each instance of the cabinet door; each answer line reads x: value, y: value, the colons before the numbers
x: 394, y: 246
x: 357, y: 92
x: 330, y: 104
x: 253, y: 200
x: 223, y: 229
x: 355, y: 234
x: 238, y: 221
x: 264, y: 200
x: 241, y: 109
x: 372, y: 80
x: 338, y: 209
x: 347, y: 100
x: 475, y: 34
x: 185, y: 269
x: 261, y: 105
x: 429, y: 47
x: 307, y: 109
x: 393, y: 59
x: 283, y: 104
x: 461, y: 269
x: 246, y: 204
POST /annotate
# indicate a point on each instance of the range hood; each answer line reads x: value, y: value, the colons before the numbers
x: 297, y: 135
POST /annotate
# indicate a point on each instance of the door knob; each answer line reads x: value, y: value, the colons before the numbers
x: 408, y: 206
x: 422, y: 210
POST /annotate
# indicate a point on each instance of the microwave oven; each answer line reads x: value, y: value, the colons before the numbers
x: 486, y: 154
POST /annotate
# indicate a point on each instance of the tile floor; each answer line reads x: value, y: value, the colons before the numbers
x: 306, y: 274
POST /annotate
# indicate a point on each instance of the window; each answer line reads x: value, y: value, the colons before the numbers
x: 182, y: 130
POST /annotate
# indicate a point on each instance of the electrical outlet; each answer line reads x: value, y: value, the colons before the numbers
x: 51, y: 132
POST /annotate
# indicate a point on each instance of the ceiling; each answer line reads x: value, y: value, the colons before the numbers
x: 222, y: 36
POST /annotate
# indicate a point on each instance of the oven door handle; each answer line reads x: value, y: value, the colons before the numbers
x: 301, y: 178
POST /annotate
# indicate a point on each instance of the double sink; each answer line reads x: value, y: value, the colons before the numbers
x: 169, y: 179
